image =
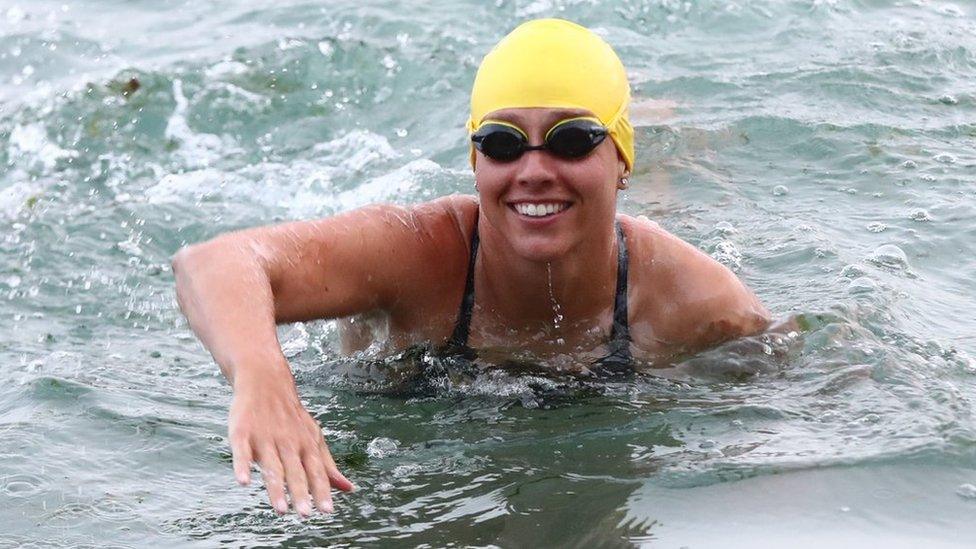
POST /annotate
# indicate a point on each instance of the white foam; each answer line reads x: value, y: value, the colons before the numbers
x: 388, y: 187
x: 356, y: 150
x: 225, y: 68
x: 198, y: 184
x: 196, y: 150
x: 29, y: 145
x: 13, y: 198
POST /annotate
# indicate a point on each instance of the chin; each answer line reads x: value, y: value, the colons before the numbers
x: 541, y: 249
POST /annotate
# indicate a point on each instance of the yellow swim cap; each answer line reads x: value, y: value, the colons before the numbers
x: 558, y: 64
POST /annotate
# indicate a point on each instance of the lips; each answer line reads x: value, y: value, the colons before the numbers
x: 540, y: 208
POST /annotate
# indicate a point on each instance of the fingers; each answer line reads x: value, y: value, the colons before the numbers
x: 274, y: 479
x: 318, y: 480
x: 337, y: 479
x: 240, y: 449
x: 297, y: 482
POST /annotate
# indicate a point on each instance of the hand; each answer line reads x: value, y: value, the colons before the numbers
x: 269, y: 426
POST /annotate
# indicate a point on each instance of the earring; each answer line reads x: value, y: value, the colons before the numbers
x: 623, y: 183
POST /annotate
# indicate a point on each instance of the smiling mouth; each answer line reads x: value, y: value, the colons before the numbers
x: 540, y: 209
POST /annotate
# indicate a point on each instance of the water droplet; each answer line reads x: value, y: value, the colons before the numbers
x: 326, y: 49
x: 557, y: 316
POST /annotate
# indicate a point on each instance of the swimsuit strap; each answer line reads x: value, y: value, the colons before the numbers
x: 462, y: 326
x: 618, y: 361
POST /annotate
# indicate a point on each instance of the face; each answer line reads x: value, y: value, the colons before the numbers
x: 582, y: 191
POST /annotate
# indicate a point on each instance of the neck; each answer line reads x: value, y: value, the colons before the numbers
x: 575, y: 288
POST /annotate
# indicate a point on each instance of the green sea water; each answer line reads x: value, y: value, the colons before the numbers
x: 825, y: 150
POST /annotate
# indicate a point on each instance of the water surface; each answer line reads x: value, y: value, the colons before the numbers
x: 824, y: 150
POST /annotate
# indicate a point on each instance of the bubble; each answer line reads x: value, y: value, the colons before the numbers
x: 909, y: 165
x: 889, y: 255
x: 876, y: 227
x: 945, y: 158
x: 920, y: 215
x: 966, y: 491
x: 948, y: 100
x: 780, y: 190
x: 725, y: 228
x: 862, y: 285
x: 381, y: 447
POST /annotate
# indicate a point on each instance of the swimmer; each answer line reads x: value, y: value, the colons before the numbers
x: 551, y: 147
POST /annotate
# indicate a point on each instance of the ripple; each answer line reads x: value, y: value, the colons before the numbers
x: 21, y: 486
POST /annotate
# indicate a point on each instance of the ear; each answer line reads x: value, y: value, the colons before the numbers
x: 622, y: 170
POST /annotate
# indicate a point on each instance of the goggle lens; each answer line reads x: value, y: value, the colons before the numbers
x: 573, y: 138
x: 503, y: 144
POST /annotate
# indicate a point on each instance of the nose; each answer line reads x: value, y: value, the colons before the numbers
x: 535, y: 168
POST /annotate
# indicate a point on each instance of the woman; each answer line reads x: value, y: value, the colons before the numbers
x: 540, y: 250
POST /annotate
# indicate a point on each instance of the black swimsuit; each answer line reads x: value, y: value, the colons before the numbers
x: 618, y: 362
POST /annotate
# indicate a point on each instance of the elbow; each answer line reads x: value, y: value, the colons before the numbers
x: 182, y: 265
x: 189, y: 264
x: 183, y: 261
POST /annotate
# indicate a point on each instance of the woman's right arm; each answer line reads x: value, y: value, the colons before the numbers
x: 235, y: 288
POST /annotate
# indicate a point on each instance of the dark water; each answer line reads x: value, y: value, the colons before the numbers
x: 822, y: 149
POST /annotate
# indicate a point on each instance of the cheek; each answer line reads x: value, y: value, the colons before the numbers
x: 489, y: 179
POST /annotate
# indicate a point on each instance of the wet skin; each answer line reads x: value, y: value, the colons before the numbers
x: 408, y: 266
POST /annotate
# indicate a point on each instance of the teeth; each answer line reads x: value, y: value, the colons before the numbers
x: 539, y: 210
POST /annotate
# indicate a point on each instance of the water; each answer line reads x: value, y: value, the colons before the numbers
x: 822, y: 149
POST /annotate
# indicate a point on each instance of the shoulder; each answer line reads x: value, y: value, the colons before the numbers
x: 681, y: 296
x: 416, y: 228
x: 426, y: 249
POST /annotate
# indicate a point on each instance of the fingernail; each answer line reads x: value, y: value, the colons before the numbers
x: 327, y: 506
x: 281, y: 506
x: 304, y: 509
x: 243, y: 480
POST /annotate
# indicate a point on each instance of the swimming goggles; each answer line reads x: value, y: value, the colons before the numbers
x: 570, y: 138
